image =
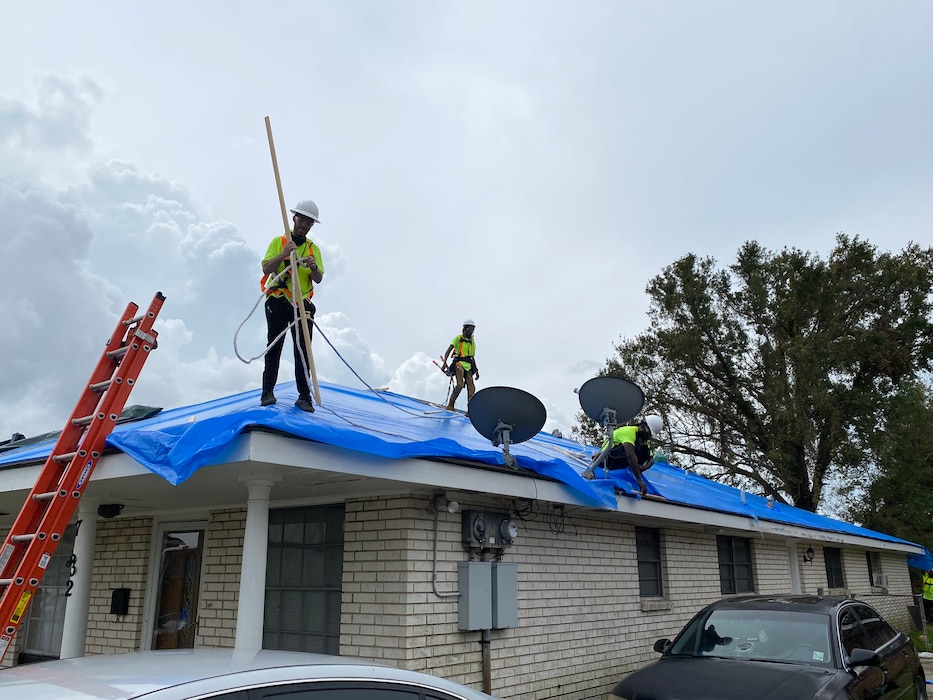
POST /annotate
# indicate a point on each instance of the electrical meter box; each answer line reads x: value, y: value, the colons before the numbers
x: 483, y: 530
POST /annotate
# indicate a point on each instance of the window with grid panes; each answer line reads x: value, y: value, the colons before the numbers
x: 648, y: 554
x: 832, y: 556
x: 735, y: 564
x: 304, y: 571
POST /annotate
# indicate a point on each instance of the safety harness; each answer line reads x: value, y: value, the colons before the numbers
x: 280, y: 283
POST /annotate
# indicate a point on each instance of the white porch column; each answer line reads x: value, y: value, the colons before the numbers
x: 74, y: 632
x: 253, y: 569
x: 793, y: 563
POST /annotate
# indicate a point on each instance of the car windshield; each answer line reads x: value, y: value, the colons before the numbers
x: 763, y: 635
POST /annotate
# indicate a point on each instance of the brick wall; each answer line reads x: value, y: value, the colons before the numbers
x: 123, y: 548
x: 220, y: 578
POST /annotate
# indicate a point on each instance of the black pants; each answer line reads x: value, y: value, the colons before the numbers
x: 618, y: 459
x: 279, y: 313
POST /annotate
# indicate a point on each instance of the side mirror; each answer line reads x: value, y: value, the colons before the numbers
x: 662, y: 645
x: 864, y: 657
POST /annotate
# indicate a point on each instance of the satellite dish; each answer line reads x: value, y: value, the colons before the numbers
x: 602, y: 398
x: 610, y: 401
x: 506, y: 416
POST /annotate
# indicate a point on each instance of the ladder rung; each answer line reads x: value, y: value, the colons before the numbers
x: 47, y: 496
x: 5, y: 581
x: 23, y: 538
x: 82, y: 422
x: 100, y: 387
x: 64, y: 457
x: 118, y: 353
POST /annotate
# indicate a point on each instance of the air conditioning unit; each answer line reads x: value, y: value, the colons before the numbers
x: 879, y: 580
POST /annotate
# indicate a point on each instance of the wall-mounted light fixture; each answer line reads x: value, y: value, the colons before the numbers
x: 109, y: 510
x: 808, y: 555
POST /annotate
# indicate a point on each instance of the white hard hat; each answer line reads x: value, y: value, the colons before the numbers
x: 654, y: 424
x: 307, y: 208
x: 469, y: 322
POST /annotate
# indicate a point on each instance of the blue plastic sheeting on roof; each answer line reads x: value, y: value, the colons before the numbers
x: 176, y: 443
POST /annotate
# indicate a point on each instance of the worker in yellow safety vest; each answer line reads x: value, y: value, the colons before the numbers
x: 462, y: 364
x: 631, y: 448
x: 928, y: 595
x: 279, y: 311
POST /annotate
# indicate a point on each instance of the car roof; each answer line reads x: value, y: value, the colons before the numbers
x: 824, y: 605
x: 134, y: 674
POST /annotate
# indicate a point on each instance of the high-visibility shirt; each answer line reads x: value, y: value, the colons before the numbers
x: 284, y: 286
x: 463, y: 347
x: 625, y: 433
x: 629, y: 434
x: 928, y: 586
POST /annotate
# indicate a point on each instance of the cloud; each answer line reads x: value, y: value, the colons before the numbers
x: 60, y: 119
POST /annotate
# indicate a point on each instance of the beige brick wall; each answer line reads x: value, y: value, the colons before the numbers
x: 123, y: 548
x: 221, y: 578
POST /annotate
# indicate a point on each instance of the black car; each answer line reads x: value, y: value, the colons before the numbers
x: 790, y: 647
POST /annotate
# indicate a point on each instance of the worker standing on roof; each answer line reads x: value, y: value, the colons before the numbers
x: 463, y: 363
x: 631, y: 448
x: 279, y: 308
x: 928, y: 595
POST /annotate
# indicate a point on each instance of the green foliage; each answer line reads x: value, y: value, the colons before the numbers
x: 773, y: 374
x: 898, y: 496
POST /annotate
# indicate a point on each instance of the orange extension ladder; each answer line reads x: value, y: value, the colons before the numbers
x: 38, y: 528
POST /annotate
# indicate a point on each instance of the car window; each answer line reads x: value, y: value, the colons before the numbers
x: 766, y: 635
x: 348, y: 690
x: 339, y: 694
x: 852, y: 633
x: 878, y: 631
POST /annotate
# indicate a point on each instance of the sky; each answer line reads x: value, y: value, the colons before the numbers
x: 529, y: 165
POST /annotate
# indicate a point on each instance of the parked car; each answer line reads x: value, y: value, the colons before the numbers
x: 781, y: 648
x: 223, y: 674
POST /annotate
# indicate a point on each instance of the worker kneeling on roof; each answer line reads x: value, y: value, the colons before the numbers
x: 631, y: 448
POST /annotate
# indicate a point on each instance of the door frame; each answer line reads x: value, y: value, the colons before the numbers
x: 159, y: 528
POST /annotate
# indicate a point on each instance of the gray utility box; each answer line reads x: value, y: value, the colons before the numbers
x: 488, y: 595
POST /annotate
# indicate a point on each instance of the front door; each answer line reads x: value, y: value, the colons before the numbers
x: 176, y: 606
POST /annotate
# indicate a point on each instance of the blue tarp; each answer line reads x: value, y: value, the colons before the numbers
x: 177, y: 442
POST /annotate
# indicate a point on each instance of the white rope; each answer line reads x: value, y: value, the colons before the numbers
x: 262, y: 296
x: 304, y: 358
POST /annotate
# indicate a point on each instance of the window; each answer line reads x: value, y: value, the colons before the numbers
x: 304, y: 573
x: 852, y: 633
x: 46, y: 617
x: 648, y: 553
x: 832, y: 556
x: 875, y: 576
x: 735, y: 564
x: 879, y: 631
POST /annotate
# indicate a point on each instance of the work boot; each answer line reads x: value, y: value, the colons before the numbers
x: 304, y: 403
x: 450, y: 407
x: 267, y: 399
